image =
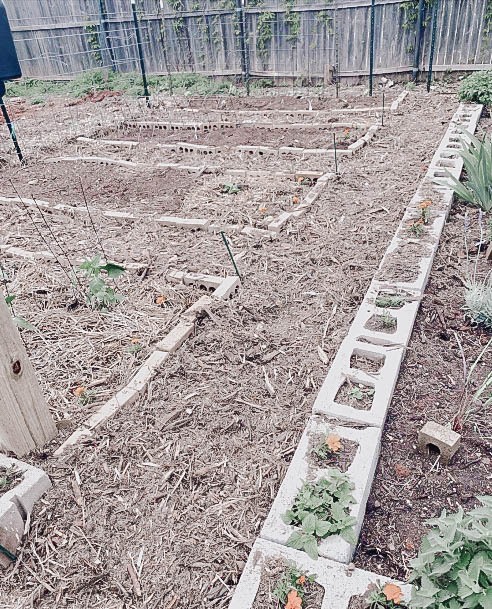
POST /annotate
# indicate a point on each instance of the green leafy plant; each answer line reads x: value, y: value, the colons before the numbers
x: 477, y: 88
x: 19, y: 321
x: 453, y: 569
x: 230, y: 189
x: 478, y: 301
x: 477, y: 158
x: 417, y: 228
x: 389, y: 301
x: 264, y: 33
x: 321, y: 509
x: 292, y: 579
x: 100, y: 295
x: 330, y: 446
x: 359, y: 392
x: 388, y: 596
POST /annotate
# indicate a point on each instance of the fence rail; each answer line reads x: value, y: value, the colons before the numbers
x: 283, y: 38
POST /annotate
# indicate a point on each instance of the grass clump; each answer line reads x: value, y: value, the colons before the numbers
x: 478, y: 301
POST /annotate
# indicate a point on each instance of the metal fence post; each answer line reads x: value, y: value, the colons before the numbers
x: 103, y: 17
x: 241, y: 18
x: 371, y: 48
x: 435, y: 10
x: 140, y: 53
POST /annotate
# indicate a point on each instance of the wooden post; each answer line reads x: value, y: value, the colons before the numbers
x: 25, y: 421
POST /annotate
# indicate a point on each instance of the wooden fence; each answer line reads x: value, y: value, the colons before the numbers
x: 291, y: 38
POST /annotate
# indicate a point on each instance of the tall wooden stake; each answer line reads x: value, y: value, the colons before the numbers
x: 25, y: 421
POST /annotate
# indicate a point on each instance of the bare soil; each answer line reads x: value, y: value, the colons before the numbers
x: 176, y: 487
x: 355, y: 395
x: 410, y: 487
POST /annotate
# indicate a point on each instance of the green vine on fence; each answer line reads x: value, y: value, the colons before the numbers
x: 93, y: 42
x: 411, y: 13
x: 293, y: 22
x: 487, y: 27
x: 264, y: 33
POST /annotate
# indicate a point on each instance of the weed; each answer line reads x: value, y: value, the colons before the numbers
x: 360, y: 392
x: 292, y: 580
x: 389, y: 301
x: 100, y: 295
x: 230, y: 189
x: 454, y: 566
x: 416, y: 228
x: 387, y: 320
x: 9, y: 476
x: 320, y: 510
x: 410, y: 86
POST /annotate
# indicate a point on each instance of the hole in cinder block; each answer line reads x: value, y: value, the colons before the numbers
x: 440, y: 174
x: 382, y: 322
x: 330, y: 450
x: 367, y: 361
x: 446, y: 163
x: 389, y: 300
x: 432, y: 450
x: 357, y: 602
x: 275, y: 574
x: 355, y: 394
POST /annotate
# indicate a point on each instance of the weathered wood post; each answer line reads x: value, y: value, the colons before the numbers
x: 25, y: 421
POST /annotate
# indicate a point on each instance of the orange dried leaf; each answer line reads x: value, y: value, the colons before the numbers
x: 296, y: 200
x: 135, y: 341
x: 392, y: 592
x: 160, y: 300
x: 300, y: 180
x: 302, y: 580
x: 334, y: 443
x: 425, y: 204
x: 263, y: 210
x: 294, y: 601
x: 78, y: 391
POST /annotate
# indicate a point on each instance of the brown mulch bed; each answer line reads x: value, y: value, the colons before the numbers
x: 410, y: 487
x: 175, y: 487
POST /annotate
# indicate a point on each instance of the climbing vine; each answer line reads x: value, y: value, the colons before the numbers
x: 264, y: 33
x: 178, y: 22
x: 411, y: 13
x: 93, y: 42
x: 487, y: 27
x: 293, y: 22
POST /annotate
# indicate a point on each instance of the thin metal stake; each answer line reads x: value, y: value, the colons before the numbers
x: 433, y: 43
x: 335, y: 148
x: 371, y: 48
x: 382, y: 114
x: 226, y: 242
x: 7, y: 553
x: 10, y: 125
x: 140, y: 53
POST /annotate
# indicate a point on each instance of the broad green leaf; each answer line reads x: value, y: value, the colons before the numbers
x: 113, y: 270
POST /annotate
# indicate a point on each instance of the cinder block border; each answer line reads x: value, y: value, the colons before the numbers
x: 340, y: 582
x: 361, y: 472
x: 17, y: 504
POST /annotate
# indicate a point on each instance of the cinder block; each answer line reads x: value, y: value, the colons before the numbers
x: 301, y: 469
x: 339, y: 582
x: 443, y: 438
x: 228, y: 286
x: 119, y: 215
x: 279, y: 221
x: 198, y: 307
x: 147, y: 370
x: 383, y: 382
x: 78, y: 436
x: 209, y: 282
x: 17, y: 504
x: 192, y: 223
x: 125, y: 396
x: 173, y: 341
x: 252, y: 231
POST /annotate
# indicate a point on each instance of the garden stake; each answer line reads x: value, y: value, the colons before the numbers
x: 371, y: 48
x: 7, y: 553
x: 335, y: 148
x: 435, y: 9
x: 10, y: 125
x: 103, y: 19
x: 140, y: 54
x: 382, y: 115
x: 224, y: 239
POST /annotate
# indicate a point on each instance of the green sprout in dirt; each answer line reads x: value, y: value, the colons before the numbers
x: 453, y: 569
x: 100, y: 295
x: 292, y: 586
x: 230, y: 189
x: 330, y: 446
x: 389, y: 301
x: 19, y: 321
x: 321, y: 509
x: 360, y: 392
x: 417, y: 227
x: 9, y: 476
x: 387, y: 321
x: 389, y: 596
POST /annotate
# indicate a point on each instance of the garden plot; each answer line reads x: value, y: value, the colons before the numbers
x: 219, y: 198
x: 411, y: 487
x: 82, y: 354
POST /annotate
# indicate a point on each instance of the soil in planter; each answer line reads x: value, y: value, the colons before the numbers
x: 366, y: 364
x: 9, y: 477
x: 356, y: 395
x: 382, y: 323
x: 270, y: 577
x: 357, y: 602
x: 342, y: 459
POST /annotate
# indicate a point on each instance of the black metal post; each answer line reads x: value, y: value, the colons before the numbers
x: 382, y: 113
x: 10, y: 125
x: 229, y: 251
x: 103, y: 17
x: 371, y: 49
x: 435, y: 9
x: 140, y: 52
x: 419, y: 37
x: 241, y: 18
x: 336, y: 155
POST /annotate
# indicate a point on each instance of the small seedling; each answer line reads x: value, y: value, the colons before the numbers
x: 330, y: 446
x: 230, y: 189
x: 291, y: 587
x: 8, y: 478
x: 359, y: 392
x: 416, y: 228
x: 85, y: 396
x: 19, y: 321
x: 100, y: 295
x: 389, y: 596
x: 389, y: 301
x: 320, y: 510
x: 425, y: 211
x: 387, y: 320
